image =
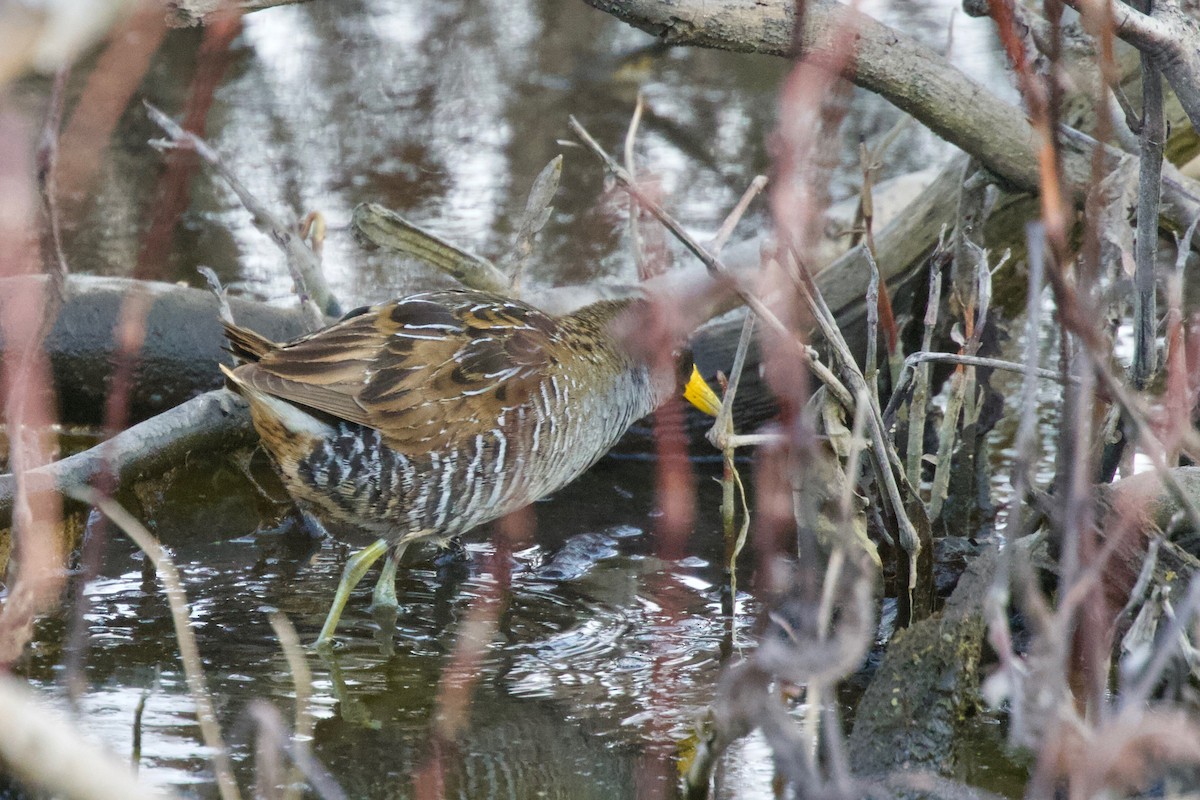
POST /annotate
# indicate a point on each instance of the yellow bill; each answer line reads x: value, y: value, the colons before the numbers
x: 698, y: 393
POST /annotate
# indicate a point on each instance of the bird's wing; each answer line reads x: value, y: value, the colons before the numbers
x: 424, y: 371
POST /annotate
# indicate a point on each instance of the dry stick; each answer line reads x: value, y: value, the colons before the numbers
x: 216, y: 419
x: 721, y: 431
x: 717, y: 269
x: 537, y: 212
x: 314, y: 292
x: 289, y: 643
x: 270, y: 735
x: 916, y: 409
x: 635, y: 234
x: 1176, y: 402
x: 189, y: 653
x: 854, y: 457
x: 300, y: 748
x: 721, y: 434
x: 886, y: 459
x: 47, y: 165
x: 387, y: 229
x: 879, y: 302
x: 916, y: 361
x: 726, y: 230
x: 871, y: 372
x: 1152, y: 137
x: 962, y: 382
x: 814, y: 700
x: 1183, y: 245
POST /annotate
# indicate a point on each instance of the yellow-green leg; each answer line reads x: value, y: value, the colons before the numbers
x: 356, y: 568
x: 384, y: 597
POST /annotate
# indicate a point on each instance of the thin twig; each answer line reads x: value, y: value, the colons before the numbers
x: 916, y: 359
x: 538, y: 208
x: 720, y: 435
x: 314, y: 293
x: 871, y: 362
x: 916, y: 409
x: 754, y: 439
x: 289, y: 643
x: 1152, y: 137
x: 635, y: 234
x: 888, y: 465
x: 47, y: 166
x: 1027, y: 415
x: 857, y: 440
x: 722, y: 428
x: 735, y: 216
x: 714, y: 265
x: 961, y: 383
x: 189, y: 653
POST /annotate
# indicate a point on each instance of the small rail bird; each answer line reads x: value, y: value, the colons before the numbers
x: 427, y: 416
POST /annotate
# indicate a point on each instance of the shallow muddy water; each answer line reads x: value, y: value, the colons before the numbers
x: 603, y: 650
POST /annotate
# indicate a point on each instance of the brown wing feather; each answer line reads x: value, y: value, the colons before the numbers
x: 249, y: 346
x: 425, y: 371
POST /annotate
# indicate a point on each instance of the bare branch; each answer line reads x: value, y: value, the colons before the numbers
x: 914, y: 78
x: 385, y: 228
x: 303, y: 263
x: 1152, y: 138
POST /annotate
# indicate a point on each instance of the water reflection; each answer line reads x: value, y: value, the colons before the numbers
x: 603, y: 648
x: 446, y: 111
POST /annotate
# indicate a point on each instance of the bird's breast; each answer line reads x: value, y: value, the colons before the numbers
x: 532, y: 449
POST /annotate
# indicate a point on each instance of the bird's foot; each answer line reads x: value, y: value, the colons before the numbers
x: 384, y: 596
x: 311, y: 525
x: 356, y: 567
x: 451, y: 557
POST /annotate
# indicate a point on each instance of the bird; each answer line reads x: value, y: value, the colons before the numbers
x: 421, y: 418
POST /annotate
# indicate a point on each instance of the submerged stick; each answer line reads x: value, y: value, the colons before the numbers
x: 189, y: 652
x: 214, y: 421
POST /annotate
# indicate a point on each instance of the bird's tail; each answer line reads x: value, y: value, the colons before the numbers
x: 234, y: 382
x: 247, y: 345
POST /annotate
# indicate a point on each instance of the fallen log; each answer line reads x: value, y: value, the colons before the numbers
x: 178, y: 361
x: 215, y: 421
